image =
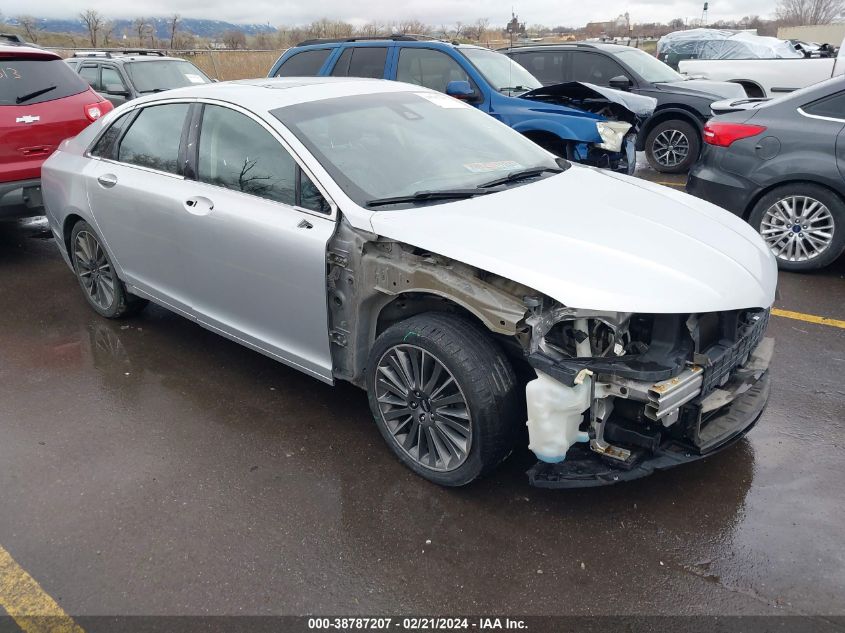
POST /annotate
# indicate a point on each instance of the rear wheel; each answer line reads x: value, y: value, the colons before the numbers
x: 672, y: 146
x: 97, y: 277
x: 803, y: 224
x: 444, y: 397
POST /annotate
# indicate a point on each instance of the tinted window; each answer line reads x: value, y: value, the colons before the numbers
x: 105, y: 146
x: 547, y: 66
x: 153, y: 139
x: 368, y: 61
x: 429, y: 68
x: 91, y: 74
x: 164, y: 75
x: 237, y: 153
x: 833, y: 106
x: 35, y: 81
x: 304, y: 64
x: 110, y: 77
x: 594, y: 68
x: 341, y: 68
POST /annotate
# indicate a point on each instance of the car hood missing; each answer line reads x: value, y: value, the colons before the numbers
x: 600, y: 241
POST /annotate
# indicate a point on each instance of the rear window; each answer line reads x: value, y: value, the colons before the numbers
x: 304, y: 64
x: 29, y: 81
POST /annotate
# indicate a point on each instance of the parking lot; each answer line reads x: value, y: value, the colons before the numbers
x: 152, y: 467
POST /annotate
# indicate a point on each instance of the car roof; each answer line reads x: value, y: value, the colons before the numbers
x: 31, y: 52
x: 399, y: 40
x: 113, y: 56
x: 602, y: 46
x: 277, y: 92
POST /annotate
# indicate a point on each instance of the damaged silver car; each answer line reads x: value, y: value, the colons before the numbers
x: 398, y: 239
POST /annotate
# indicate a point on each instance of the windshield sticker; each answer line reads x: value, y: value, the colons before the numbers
x: 494, y: 165
x: 194, y: 79
x: 444, y: 101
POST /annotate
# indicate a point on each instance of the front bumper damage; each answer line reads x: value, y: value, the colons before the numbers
x: 700, y: 386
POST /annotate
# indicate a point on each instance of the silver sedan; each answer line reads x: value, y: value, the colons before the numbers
x: 399, y: 239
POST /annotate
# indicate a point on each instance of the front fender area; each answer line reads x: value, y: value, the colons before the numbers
x: 578, y: 130
x: 667, y: 114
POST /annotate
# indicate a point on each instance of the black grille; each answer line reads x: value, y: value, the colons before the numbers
x: 727, y: 359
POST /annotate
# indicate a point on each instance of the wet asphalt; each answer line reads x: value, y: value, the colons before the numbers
x: 151, y: 467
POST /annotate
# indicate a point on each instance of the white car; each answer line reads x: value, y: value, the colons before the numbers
x: 396, y: 238
x: 766, y: 78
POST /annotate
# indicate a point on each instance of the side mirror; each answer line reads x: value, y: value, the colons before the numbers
x: 460, y: 90
x: 116, y: 90
x: 620, y: 82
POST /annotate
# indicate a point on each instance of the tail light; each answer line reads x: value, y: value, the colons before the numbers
x: 94, y: 111
x: 724, y: 134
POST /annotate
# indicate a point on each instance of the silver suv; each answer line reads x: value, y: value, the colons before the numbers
x: 121, y: 76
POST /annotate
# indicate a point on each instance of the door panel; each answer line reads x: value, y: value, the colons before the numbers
x: 256, y: 261
x: 141, y: 219
x: 137, y: 202
x: 258, y: 273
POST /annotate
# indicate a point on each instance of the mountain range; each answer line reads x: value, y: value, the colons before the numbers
x: 199, y: 27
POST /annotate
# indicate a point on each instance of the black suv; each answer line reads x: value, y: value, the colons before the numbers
x: 121, y: 76
x: 671, y: 138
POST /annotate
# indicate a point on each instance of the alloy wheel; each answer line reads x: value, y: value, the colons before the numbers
x: 797, y: 228
x: 94, y: 270
x: 423, y: 408
x: 670, y: 148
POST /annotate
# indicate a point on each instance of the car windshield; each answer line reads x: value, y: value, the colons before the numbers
x: 152, y: 76
x: 31, y: 81
x: 500, y: 71
x: 649, y: 68
x: 395, y: 144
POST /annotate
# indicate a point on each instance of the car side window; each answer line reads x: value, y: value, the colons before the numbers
x: 111, y: 78
x: 832, y: 106
x: 368, y: 61
x: 91, y: 74
x: 304, y: 64
x: 429, y: 68
x: 547, y: 66
x: 153, y: 138
x: 595, y: 68
x: 104, y: 147
x: 341, y: 67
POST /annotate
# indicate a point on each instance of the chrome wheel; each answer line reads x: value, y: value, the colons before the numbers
x: 797, y: 228
x: 423, y: 408
x: 94, y: 270
x: 670, y: 148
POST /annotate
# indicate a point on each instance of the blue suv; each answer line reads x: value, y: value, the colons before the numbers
x: 582, y: 122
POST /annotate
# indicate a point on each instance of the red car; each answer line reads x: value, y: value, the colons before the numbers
x: 42, y: 102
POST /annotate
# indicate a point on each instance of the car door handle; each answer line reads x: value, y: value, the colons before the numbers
x: 199, y: 205
x: 107, y: 180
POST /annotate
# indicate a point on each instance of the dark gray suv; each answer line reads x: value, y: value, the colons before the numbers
x: 121, y: 76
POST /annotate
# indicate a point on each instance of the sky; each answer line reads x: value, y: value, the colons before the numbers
x: 434, y: 12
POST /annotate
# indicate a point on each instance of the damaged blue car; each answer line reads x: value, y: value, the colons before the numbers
x: 581, y: 122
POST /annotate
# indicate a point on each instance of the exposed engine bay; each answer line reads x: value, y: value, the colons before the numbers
x: 644, y: 391
x: 624, y: 114
x: 611, y: 396
x: 614, y: 105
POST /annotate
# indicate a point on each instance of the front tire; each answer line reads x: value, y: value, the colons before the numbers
x: 672, y: 147
x: 444, y: 396
x: 97, y: 277
x: 803, y: 224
